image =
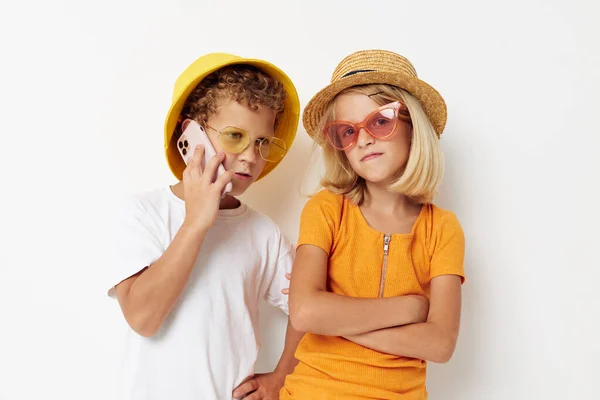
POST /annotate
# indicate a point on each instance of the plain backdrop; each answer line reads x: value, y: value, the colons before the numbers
x: 84, y: 89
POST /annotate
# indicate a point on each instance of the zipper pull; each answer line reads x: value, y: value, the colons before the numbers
x: 386, y: 244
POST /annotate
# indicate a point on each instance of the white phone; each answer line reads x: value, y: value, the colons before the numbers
x: 193, y: 135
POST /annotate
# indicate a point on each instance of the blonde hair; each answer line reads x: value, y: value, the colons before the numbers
x: 424, y: 169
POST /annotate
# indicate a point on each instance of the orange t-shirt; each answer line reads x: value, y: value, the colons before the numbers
x: 331, y: 367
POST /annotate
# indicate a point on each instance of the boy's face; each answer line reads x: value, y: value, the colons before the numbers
x: 258, y: 124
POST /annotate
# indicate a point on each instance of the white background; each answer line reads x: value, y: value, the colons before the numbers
x: 85, y: 86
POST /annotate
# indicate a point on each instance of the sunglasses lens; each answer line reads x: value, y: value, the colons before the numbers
x: 233, y: 140
x: 383, y: 123
x: 272, y: 149
x: 340, y: 136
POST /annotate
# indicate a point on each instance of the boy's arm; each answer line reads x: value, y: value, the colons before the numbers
x: 433, y: 340
x: 268, y: 385
x: 147, y: 297
x: 314, y: 309
x: 288, y: 362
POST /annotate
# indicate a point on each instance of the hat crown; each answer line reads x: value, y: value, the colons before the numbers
x: 205, y: 63
x: 373, y: 61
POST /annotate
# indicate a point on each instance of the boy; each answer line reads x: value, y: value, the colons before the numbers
x: 190, y: 267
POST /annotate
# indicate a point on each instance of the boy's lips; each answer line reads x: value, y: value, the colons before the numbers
x: 242, y: 176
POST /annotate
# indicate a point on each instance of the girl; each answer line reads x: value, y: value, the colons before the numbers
x: 378, y: 272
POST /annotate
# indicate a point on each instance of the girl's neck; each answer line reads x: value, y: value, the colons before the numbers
x: 379, y: 197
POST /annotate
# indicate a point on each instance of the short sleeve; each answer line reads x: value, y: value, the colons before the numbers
x: 449, y: 248
x: 283, y: 265
x: 320, y: 221
x: 134, y: 243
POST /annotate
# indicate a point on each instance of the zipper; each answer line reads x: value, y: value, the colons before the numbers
x: 386, y: 249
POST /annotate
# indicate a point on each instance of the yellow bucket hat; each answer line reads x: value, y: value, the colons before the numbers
x: 207, y: 64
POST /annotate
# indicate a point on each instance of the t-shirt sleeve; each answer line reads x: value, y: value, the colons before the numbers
x: 134, y: 243
x: 320, y: 220
x: 449, y: 248
x: 283, y: 265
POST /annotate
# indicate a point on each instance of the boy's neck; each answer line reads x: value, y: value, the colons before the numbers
x: 229, y: 203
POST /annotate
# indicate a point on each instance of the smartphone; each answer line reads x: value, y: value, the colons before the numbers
x: 193, y: 135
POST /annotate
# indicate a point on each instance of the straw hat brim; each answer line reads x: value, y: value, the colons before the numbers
x: 286, y: 127
x: 432, y: 102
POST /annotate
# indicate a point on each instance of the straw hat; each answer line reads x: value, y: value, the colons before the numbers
x: 376, y: 67
x: 207, y: 64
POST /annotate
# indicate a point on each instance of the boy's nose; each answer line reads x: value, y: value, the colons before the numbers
x: 250, y: 154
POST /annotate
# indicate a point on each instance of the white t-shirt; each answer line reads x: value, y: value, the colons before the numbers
x: 209, y: 342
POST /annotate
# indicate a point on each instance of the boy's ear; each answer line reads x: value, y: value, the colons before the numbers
x: 178, y: 124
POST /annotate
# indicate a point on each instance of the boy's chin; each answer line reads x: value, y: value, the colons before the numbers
x: 236, y: 193
x: 238, y: 189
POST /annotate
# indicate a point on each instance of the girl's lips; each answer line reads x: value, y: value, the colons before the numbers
x: 370, y: 156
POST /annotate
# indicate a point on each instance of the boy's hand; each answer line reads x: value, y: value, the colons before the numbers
x: 261, y: 387
x: 202, y: 196
x: 287, y: 290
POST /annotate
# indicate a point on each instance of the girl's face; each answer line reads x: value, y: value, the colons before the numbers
x: 376, y: 161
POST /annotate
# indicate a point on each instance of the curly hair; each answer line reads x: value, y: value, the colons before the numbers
x: 244, y: 84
